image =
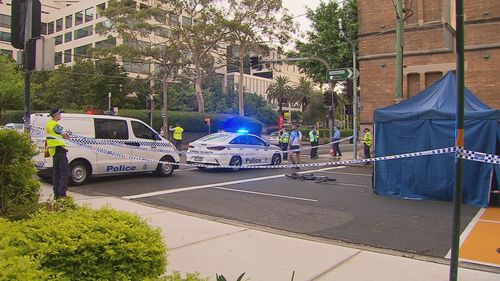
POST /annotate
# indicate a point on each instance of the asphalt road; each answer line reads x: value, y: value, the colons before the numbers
x: 346, y: 210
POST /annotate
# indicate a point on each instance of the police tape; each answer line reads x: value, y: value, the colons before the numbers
x: 152, y: 145
x: 478, y: 156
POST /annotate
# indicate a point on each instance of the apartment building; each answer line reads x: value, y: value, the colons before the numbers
x: 428, y: 50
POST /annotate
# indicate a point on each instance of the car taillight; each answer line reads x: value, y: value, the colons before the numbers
x: 47, y: 154
x: 219, y: 147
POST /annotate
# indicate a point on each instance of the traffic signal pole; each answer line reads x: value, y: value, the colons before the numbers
x: 27, y: 71
x: 399, y: 51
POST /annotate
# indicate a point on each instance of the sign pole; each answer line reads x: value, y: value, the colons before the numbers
x: 26, y: 57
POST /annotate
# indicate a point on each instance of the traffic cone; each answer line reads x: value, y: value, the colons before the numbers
x: 331, y: 151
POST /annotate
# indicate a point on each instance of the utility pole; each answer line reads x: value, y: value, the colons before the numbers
x: 459, y: 141
x: 399, y: 50
x: 27, y: 71
x: 355, y: 99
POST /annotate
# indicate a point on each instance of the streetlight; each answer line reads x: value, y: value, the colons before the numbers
x: 354, y: 88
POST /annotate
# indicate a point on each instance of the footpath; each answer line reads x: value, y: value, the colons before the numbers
x: 200, y: 244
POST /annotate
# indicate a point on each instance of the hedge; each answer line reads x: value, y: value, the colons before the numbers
x: 81, y: 244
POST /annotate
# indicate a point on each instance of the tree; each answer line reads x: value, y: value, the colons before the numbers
x: 251, y: 24
x: 302, y: 92
x: 324, y: 40
x: 280, y: 91
x: 315, y: 110
x: 11, y: 85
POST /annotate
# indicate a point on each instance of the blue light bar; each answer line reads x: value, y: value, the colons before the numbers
x: 242, y: 131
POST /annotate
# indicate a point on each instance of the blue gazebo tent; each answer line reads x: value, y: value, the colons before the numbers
x: 427, y: 121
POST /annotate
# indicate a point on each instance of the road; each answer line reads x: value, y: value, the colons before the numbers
x: 346, y: 210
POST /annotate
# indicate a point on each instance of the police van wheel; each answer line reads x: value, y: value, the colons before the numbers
x: 165, y: 170
x: 276, y: 160
x: 235, y: 161
x: 79, y: 173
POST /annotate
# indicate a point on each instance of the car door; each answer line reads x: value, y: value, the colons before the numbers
x: 260, y: 149
x: 144, y: 139
x: 112, y: 130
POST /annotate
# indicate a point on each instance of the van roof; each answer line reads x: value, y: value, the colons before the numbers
x: 86, y: 116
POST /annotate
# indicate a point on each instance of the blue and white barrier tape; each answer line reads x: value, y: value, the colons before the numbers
x: 478, y: 156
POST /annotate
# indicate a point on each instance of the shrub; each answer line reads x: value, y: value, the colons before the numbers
x: 19, y: 192
x: 86, y: 244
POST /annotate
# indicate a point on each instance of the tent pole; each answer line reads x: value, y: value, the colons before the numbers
x: 459, y: 141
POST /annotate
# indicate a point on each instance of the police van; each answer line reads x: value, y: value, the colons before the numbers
x: 105, y: 145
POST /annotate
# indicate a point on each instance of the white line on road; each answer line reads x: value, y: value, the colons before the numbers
x: 468, y: 230
x: 350, y: 184
x: 169, y: 191
x: 266, y: 194
x: 349, y: 174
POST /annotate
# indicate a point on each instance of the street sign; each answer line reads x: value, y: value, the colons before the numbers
x: 338, y: 74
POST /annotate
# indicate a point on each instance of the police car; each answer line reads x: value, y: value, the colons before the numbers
x: 233, y: 149
x: 124, y: 137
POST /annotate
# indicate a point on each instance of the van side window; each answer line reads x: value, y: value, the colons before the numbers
x: 142, y: 131
x: 111, y: 129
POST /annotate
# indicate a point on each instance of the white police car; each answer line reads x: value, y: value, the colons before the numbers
x: 233, y: 149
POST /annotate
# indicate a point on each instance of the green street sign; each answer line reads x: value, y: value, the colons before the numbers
x: 338, y: 74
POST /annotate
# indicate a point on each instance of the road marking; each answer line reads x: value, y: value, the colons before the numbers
x: 349, y: 174
x: 266, y: 194
x: 468, y: 230
x: 182, y: 189
x: 350, y: 184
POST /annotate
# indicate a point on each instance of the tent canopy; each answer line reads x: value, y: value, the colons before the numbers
x: 425, y: 122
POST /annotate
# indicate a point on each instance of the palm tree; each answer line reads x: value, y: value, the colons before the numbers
x: 302, y: 92
x: 280, y: 91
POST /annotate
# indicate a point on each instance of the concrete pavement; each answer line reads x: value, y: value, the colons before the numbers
x: 200, y: 244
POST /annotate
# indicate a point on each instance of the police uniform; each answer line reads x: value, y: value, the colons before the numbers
x: 284, y: 137
x: 57, y: 150
x: 314, y: 139
x: 178, y: 137
x: 367, y: 142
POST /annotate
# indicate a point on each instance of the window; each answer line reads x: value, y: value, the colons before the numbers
x: 50, y: 28
x: 142, y: 131
x: 79, y: 18
x: 59, y: 25
x: 82, y: 51
x: 4, y: 36
x: 68, y: 37
x: 106, y: 44
x: 413, y: 80
x: 69, y: 21
x: 136, y: 67
x: 99, y: 9
x: 8, y: 53
x: 4, y: 20
x: 89, y: 14
x: 67, y: 56
x: 240, y: 140
x: 43, y: 28
x: 58, y: 40
x: 256, y: 141
x: 432, y: 77
x: 58, y: 58
x: 163, y: 32
x: 174, y: 20
x: 110, y: 129
x: 83, y: 32
x: 186, y: 21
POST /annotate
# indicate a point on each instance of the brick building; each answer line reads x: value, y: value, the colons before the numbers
x: 428, y: 49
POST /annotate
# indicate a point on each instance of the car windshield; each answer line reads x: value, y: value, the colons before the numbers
x: 215, y: 138
x: 19, y: 126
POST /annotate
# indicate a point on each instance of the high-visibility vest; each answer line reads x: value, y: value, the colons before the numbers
x: 54, y: 136
x: 313, y: 137
x: 178, y: 133
x: 367, y: 139
x: 285, y: 137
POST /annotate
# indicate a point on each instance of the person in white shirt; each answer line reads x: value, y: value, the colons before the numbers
x: 294, y: 144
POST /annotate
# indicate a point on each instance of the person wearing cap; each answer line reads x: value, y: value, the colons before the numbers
x: 367, y: 142
x: 336, y: 142
x: 57, y: 150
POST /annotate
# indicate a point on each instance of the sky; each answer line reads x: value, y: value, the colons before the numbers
x: 298, y: 8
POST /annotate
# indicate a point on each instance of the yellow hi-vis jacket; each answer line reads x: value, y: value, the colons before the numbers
x: 178, y: 133
x: 367, y: 138
x: 54, y: 136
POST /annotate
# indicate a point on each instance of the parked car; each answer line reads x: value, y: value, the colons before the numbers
x: 273, y: 138
x: 15, y: 126
x: 122, y: 135
x: 233, y: 149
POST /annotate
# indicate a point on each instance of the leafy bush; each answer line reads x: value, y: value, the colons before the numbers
x: 19, y: 192
x: 11, y: 116
x: 84, y: 244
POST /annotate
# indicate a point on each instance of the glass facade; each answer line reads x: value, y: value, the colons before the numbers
x: 67, y: 56
x: 89, y: 14
x: 4, y: 20
x: 83, y: 32
x: 68, y: 37
x: 59, y: 25
x: 69, y: 21
x: 78, y: 18
x: 58, y: 39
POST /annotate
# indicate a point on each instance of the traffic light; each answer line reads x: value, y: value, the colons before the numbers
x: 254, y: 62
x: 348, y: 109
x: 149, y: 103
x: 330, y: 98
x: 19, y: 11
x: 349, y: 86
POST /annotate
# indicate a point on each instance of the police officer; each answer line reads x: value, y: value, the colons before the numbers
x: 336, y: 142
x: 314, y: 139
x: 178, y: 136
x: 57, y: 150
x: 367, y: 143
x: 283, y: 138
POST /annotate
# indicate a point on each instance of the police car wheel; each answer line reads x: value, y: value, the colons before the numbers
x: 79, y: 173
x: 165, y: 170
x: 235, y: 161
x: 276, y: 160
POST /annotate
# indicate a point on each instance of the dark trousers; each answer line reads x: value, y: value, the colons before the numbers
x: 336, y: 148
x: 284, y: 147
x: 61, y: 172
x: 367, y: 151
x: 314, y: 149
x: 178, y: 144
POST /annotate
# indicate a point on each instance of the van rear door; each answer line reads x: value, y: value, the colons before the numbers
x: 113, y: 130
